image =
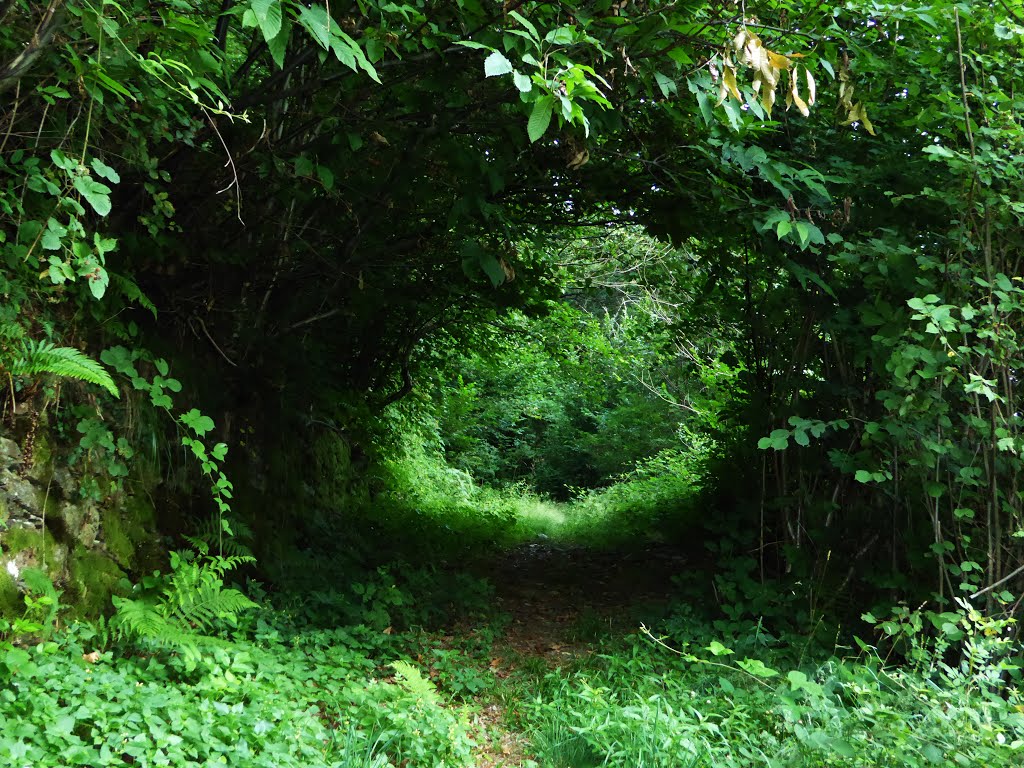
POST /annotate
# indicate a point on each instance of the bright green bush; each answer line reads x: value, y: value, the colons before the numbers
x: 313, y: 700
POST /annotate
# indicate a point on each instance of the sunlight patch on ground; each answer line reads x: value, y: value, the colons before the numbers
x: 537, y: 517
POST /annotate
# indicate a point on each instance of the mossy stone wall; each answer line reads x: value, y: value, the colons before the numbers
x: 86, y: 546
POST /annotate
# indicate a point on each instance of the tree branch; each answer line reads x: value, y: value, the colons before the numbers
x: 221, y: 32
x: 48, y: 25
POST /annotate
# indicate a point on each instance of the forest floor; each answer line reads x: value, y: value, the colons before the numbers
x: 559, y: 601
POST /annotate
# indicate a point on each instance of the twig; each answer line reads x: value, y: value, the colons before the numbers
x: 230, y: 162
x: 314, y: 318
x: 963, y: 81
x: 1002, y: 581
x: 214, y: 343
x: 14, y: 115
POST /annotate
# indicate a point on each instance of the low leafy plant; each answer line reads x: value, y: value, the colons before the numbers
x: 190, y: 602
x: 44, y: 357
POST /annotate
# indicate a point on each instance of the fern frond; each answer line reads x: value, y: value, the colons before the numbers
x: 38, y: 357
x: 131, y: 291
x: 140, y: 619
x: 191, y: 602
x: 204, y: 609
x: 412, y: 680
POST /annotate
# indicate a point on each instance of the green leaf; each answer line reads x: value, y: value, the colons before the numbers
x: 278, y: 46
x: 98, y: 282
x: 757, y: 668
x: 718, y: 649
x: 197, y: 422
x: 666, y: 85
x: 863, y: 476
x: 496, y: 64
x: 318, y: 23
x: 933, y: 754
x: 540, y: 117
x: 96, y: 194
x: 523, y: 82
x: 492, y: 267
x: 268, y: 14
x: 105, y: 171
x: 561, y: 36
x: 326, y: 176
x: 526, y: 24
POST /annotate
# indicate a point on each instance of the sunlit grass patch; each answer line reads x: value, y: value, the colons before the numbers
x: 537, y: 517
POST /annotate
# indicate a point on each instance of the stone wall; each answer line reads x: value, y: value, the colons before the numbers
x: 88, y: 547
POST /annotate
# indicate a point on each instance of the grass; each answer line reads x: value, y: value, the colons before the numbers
x: 538, y: 518
x: 282, y: 692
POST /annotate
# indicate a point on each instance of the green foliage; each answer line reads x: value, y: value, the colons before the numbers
x: 310, y: 699
x: 178, y: 609
x: 628, y: 707
x: 43, y: 357
x: 41, y: 608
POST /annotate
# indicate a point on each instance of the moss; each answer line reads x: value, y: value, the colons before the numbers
x: 127, y: 530
x: 41, y: 543
x: 4, y: 514
x: 94, y: 578
x: 117, y: 541
x: 11, y: 603
x: 42, y: 456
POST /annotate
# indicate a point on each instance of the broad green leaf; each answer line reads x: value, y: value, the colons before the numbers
x: 718, y: 649
x: 496, y: 64
x: 561, y: 36
x: 96, y: 194
x: 197, y: 422
x: 98, y: 282
x: 540, y: 117
x: 492, y: 267
x: 757, y: 668
x: 105, y: 171
x: 268, y: 14
x: 326, y: 176
x: 278, y: 46
x: 318, y: 23
x: 523, y: 82
x: 526, y: 24
x: 666, y: 85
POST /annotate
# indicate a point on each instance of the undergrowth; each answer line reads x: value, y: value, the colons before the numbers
x: 637, y: 703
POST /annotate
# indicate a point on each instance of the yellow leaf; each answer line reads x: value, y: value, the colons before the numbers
x: 768, y: 100
x: 740, y: 40
x: 723, y: 92
x: 754, y: 53
x: 865, y: 122
x: 777, y: 60
x: 794, y: 92
x: 729, y: 78
x: 812, y: 90
x: 770, y: 74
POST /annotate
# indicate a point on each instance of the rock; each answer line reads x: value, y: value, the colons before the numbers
x: 10, y: 454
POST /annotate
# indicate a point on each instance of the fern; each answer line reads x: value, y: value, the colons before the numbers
x: 187, y: 605
x: 412, y: 680
x: 38, y: 357
x: 210, y: 535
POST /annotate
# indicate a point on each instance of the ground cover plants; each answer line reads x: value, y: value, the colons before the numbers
x: 421, y: 383
x: 592, y: 659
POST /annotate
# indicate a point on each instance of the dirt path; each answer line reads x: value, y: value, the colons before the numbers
x: 560, y: 597
x: 560, y: 601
